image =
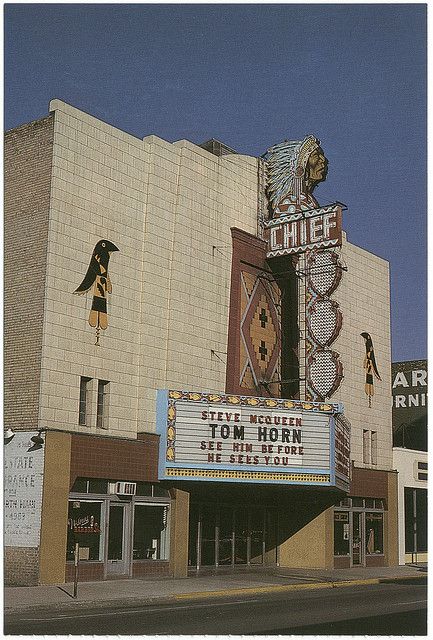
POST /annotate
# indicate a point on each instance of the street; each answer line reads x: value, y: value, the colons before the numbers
x: 380, y: 609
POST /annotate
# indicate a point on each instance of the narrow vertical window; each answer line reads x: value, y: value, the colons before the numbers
x: 366, y: 446
x: 102, y: 404
x: 84, y: 407
x: 374, y: 447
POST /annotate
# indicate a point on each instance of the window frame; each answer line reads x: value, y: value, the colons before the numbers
x: 164, y: 540
x: 84, y: 401
x: 102, y: 404
x: 103, y: 502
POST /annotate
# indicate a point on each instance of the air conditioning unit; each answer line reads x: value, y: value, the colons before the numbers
x: 124, y: 488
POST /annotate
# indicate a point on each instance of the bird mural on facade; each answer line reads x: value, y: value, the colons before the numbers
x: 370, y: 366
x: 97, y: 276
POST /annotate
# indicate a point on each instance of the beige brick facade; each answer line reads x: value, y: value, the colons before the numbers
x: 169, y: 209
x: 364, y: 299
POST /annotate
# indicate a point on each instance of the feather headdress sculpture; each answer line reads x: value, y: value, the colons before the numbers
x: 288, y: 173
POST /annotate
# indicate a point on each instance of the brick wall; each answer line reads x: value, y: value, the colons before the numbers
x: 21, y: 567
x: 28, y: 158
x: 115, y: 459
x: 369, y: 483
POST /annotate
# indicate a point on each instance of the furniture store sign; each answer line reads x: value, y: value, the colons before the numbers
x: 23, y: 479
x: 217, y: 437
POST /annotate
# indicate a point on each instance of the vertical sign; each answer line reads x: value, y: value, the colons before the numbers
x: 23, y: 479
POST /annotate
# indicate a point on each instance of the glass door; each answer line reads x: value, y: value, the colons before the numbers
x: 207, y: 536
x: 225, y: 536
x: 241, y: 536
x: 118, y: 555
x: 357, y: 539
x: 257, y: 536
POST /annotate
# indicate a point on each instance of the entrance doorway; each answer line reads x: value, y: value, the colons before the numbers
x: 359, y: 533
x: 227, y: 535
x: 357, y: 538
x: 118, y: 547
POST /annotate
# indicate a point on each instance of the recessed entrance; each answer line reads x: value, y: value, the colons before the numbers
x: 232, y: 535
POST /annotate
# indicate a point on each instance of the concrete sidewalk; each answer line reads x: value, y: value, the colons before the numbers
x: 216, y: 583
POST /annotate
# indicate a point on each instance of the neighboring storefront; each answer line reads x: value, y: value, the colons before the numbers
x: 409, y: 404
x: 412, y: 469
x: 409, y: 421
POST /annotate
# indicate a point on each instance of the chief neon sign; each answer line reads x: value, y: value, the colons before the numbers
x: 305, y: 230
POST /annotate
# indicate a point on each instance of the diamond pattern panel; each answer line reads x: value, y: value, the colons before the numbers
x: 260, y: 329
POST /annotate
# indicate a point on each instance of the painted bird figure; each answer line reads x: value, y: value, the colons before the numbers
x: 97, y: 276
x: 370, y: 366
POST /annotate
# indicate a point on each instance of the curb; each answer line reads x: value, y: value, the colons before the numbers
x: 277, y: 589
x: 203, y: 595
x: 292, y: 587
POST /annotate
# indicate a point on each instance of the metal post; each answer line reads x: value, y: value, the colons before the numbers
x: 217, y: 537
x: 233, y: 536
x: 198, y: 548
x: 76, y: 557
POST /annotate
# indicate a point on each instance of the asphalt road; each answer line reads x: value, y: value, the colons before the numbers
x: 383, y: 609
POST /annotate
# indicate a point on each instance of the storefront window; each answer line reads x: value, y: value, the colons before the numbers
x: 150, y: 532
x: 374, y: 533
x: 84, y: 527
x: 341, y: 533
x: 415, y: 503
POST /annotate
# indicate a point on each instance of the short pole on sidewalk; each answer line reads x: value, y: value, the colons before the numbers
x: 76, y: 556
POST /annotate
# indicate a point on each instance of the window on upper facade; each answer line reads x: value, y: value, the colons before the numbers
x: 373, y: 443
x: 102, y: 404
x: 366, y: 446
x: 85, y: 401
x: 369, y: 447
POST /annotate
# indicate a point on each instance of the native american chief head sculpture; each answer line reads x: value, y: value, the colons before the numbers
x: 294, y: 169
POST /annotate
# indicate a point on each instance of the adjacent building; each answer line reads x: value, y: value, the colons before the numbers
x: 409, y: 416
x: 197, y: 361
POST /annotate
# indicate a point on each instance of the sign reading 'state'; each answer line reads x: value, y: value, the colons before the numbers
x: 23, y: 478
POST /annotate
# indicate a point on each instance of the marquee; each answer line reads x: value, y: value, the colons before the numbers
x: 232, y: 438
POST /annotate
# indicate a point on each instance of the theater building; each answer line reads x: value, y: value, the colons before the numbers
x: 197, y: 360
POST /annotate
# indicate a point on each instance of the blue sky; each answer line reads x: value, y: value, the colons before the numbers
x: 252, y: 75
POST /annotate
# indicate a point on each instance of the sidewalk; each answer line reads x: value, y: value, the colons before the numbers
x: 217, y: 583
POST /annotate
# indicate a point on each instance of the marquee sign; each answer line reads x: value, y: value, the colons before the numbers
x: 231, y: 438
x: 295, y: 233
